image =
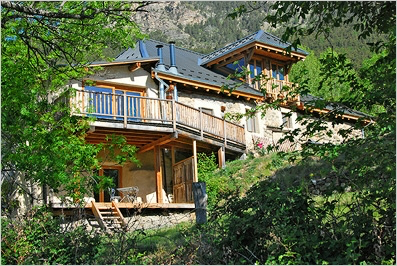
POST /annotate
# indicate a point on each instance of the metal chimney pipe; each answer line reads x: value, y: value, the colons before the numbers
x: 173, y: 67
x: 160, y: 65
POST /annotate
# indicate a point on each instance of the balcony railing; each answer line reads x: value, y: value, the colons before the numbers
x: 126, y: 108
x: 280, y: 89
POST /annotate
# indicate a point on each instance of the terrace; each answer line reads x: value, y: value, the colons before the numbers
x: 145, y: 121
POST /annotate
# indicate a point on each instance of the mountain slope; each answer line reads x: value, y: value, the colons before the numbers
x: 203, y: 26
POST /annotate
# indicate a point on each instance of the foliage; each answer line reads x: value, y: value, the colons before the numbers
x: 39, y: 239
x: 285, y: 223
x: 44, y: 46
x: 206, y: 167
x: 237, y: 177
x: 281, y: 220
x: 317, y: 83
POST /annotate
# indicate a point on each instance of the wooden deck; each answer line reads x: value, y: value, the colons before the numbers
x: 161, y: 117
x: 129, y: 205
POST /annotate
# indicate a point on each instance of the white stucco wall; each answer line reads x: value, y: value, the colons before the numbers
x: 121, y: 74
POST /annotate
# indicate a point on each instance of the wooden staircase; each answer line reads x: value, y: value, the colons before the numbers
x: 108, y: 215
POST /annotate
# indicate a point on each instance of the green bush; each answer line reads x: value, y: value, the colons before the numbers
x: 279, y: 220
x: 39, y: 238
x: 236, y: 177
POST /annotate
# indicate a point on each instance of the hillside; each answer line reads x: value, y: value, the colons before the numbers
x: 203, y: 26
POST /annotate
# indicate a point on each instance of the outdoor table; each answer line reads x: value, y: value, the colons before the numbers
x: 129, y: 193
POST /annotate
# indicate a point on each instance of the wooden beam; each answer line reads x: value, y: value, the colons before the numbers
x: 221, y: 157
x: 250, y: 54
x: 228, y: 61
x: 157, y: 171
x: 206, y: 86
x: 195, y: 177
x: 134, y: 66
x: 123, y: 86
x: 160, y: 141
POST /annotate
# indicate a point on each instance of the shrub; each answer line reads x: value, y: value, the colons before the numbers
x: 279, y: 221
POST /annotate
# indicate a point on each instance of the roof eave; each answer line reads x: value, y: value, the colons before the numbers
x: 205, y: 85
x: 250, y: 44
x: 140, y: 60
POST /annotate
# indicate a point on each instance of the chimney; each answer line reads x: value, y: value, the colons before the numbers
x: 160, y: 65
x: 173, y: 68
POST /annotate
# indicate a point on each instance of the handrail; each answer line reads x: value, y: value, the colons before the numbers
x: 131, y: 108
x: 184, y: 160
x: 274, y: 90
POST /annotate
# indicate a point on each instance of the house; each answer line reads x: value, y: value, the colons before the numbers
x: 171, y: 103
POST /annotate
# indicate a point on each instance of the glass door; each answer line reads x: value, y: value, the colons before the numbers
x: 115, y: 174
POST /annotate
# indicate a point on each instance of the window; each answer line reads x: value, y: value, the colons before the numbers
x: 255, y: 67
x: 236, y: 65
x: 252, y: 123
x: 207, y: 110
x: 287, y: 120
x: 278, y: 72
x: 108, y: 102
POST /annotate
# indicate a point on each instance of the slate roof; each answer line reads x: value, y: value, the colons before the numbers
x: 190, y: 64
x: 259, y: 36
x: 310, y: 100
x: 186, y: 62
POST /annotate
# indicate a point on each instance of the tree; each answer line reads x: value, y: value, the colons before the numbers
x: 357, y: 226
x: 45, y: 45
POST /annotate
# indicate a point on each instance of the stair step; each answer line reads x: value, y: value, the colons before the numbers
x: 102, y: 213
x: 113, y: 223
x: 106, y: 208
x: 110, y: 217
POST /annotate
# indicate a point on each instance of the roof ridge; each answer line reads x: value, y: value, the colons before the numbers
x: 230, y: 44
x: 276, y: 37
x: 178, y: 47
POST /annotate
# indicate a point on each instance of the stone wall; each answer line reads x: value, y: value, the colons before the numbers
x: 139, y: 219
x: 333, y: 137
x: 334, y: 182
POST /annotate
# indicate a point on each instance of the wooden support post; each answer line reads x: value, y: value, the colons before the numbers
x: 159, y: 178
x: 224, y: 131
x: 173, y: 114
x: 221, y: 157
x: 125, y: 109
x: 195, y: 177
x: 201, y: 122
x: 200, y: 202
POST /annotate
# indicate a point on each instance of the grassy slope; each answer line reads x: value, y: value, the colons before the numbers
x: 179, y: 244
x: 191, y: 244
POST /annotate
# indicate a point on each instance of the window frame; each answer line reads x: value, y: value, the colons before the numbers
x: 278, y: 66
x: 252, y: 123
x: 255, y: 73
x: 286, y: 120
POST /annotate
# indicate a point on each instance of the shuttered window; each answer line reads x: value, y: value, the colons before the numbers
x: 252, y: 123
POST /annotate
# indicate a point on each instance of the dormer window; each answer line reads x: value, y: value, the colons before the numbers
x: 278, y: 72
x: 238, y: 66
x: 255, y: 68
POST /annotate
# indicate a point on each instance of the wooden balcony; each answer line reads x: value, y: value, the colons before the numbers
x: 122, y: 110
x: 280, y: 89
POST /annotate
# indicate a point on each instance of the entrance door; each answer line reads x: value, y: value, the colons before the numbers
x: 183, y: 179
x: 115, y: 174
